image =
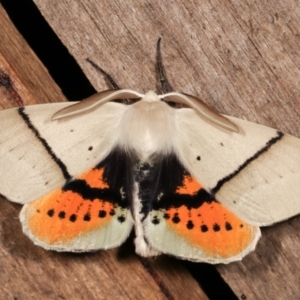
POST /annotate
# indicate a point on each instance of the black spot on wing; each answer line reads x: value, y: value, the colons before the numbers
x: 204, y: 228
x: 61, y: 214
x: 190, y: 225
x: 121, y: 219
x: 228, y: 226
x: 166, y: 216
x: 50, y: 212
x: 73, y: 218
x: 176, y: 218
x: 216, y: 227
x: 155, y: 220
x: 102, y: 214
x: 87, y: 217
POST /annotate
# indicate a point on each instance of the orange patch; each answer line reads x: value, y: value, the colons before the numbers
x: 60, y: 216
x: 213, y: 228
x: 189, y: 186
x: 94, y: 178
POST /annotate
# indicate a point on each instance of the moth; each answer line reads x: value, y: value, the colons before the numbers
x: 192, y: 183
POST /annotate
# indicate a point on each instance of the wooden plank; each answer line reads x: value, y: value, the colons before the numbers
x: 240, y: 57
x: 22, y: 74
x: 28, y: 271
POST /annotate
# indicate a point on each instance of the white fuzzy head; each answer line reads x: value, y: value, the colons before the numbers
x: 147, y: 126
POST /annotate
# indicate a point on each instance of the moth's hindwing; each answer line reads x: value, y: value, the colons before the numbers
x: 90, y: 212
x: 186, y: 221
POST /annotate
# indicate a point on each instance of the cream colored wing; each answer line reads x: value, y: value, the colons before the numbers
x: 90, y: 212
x: 38, y: 155
x: 255, y: 173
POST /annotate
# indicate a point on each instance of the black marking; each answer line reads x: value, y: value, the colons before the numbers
x: 198, y: 157
x: 90, y: 148
x: 268, y: 145
x: 176, y: 219
x: 204, y: 228
x: 60, y: 164
x: 87, y: 217
x: 155, y: 220
x: 190, y: 225
x: 166, y: 216
x: 228, y: 226
x: 62, y: 214
x: 117, y: 175
x: 241, y: 225
x: 112, y: 212
x: 50, y: 212
x: 121, y: 219
x: 159, y: 181
x: 73, y: 218
x: 102, y: 214
x: 216, y: 227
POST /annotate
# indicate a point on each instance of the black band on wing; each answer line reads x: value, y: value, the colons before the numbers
x: 178, y: 200
x: 81, y: 187
x: 268, y: 145
x: 61, y: 165
x: 117, y: 174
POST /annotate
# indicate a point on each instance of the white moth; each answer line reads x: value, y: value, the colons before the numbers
x: 193, y: 183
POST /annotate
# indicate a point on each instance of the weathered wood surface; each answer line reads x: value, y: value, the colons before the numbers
x: 30, y: 272
x: 241, y: 57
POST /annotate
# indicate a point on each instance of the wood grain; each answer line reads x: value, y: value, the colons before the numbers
x: 241, y: 57
x: 30, y: 272
x: 22, y: 74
